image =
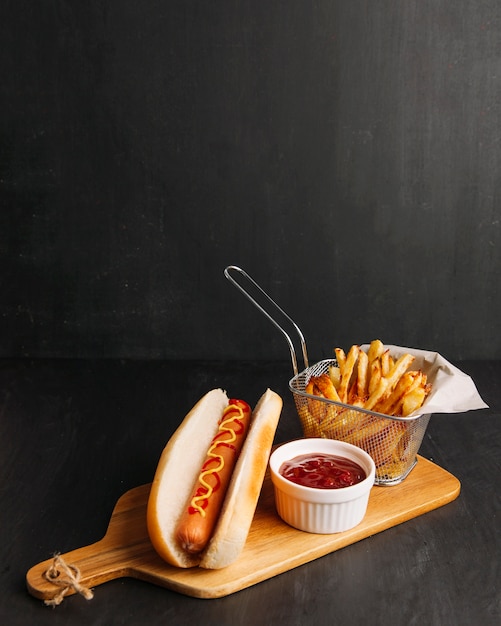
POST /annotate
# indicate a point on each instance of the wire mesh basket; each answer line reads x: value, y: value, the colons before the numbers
x: 392, y: 442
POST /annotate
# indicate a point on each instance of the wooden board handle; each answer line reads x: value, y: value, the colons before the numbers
x: 123, y: 551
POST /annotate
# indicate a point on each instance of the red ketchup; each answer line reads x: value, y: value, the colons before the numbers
x: 322, y: 471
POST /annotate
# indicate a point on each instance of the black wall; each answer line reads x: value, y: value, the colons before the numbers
x: 345, y: 153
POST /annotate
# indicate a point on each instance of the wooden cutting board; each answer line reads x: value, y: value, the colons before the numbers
x: 272, y: 546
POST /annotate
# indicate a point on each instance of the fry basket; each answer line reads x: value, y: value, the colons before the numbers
x: 392, y: 442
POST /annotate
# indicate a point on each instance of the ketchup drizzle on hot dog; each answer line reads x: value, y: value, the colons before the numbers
x: 200, y: 500
x: 200, y: 515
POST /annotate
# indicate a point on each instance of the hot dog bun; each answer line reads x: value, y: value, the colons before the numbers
x: 178, y: 469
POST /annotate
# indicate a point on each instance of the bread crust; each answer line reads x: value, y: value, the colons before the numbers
x: 178, y: 469
x: 176, y: 473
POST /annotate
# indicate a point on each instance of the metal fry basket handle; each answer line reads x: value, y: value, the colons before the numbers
x: 269, y: 301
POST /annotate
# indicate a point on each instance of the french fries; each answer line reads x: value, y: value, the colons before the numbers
x: 378, y: 382
x: 373, y: 380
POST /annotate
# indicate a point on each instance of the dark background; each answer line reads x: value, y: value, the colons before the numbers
x: 346, y: 154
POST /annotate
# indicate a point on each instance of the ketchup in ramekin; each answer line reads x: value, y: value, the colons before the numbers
x: 322, y: 471
x: 326, y: 509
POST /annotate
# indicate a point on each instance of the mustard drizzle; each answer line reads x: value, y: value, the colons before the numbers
x: 223, y: 427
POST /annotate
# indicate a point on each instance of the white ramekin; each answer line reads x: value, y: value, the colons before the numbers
x: 321, y: 510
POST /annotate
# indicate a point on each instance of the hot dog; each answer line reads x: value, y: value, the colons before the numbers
x: 208, y: 480
x: 199, y: 517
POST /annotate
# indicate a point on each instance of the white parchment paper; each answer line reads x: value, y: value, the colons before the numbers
x: 453, y: 391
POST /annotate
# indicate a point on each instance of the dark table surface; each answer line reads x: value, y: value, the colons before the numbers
x: 75, y: 435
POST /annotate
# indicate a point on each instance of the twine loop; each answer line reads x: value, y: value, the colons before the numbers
x: 67, y: 577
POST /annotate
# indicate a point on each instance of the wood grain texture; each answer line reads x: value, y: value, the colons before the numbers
x: 125, y: 550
